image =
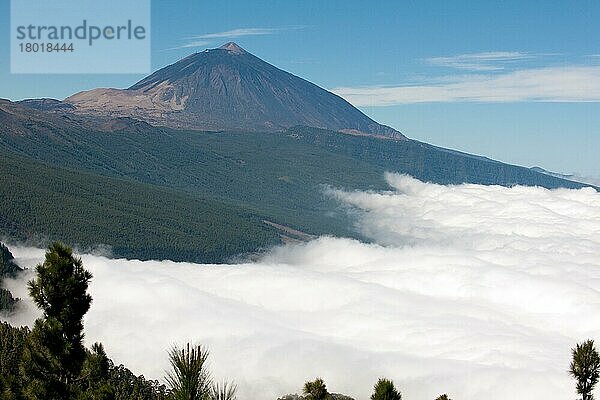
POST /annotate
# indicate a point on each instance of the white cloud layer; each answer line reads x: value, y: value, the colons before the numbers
x: 551, y: 84
x: 476, y: 291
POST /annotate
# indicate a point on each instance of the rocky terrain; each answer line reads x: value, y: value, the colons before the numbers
x: 227, y: 89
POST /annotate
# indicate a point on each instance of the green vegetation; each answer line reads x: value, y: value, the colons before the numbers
x: 189, y: 378
x: 102, y: 380
x: 223, y: 391
x: 12, y: 341
x: 7, y: 301
x: 8, y: 269
x: 585, y: 368
x: 50, y: 361
x: 316, y: 390
x: 42, y: 203
x: 385, y: 390
x: 443, y: 397
x: 232, y: 181
x: 423, y: 161
x: 54, y: 354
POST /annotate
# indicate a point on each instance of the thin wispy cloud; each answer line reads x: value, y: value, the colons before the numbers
x: 550, y: 84
x: 206, y: 39
x: 238, y: 33
x: 486, y: 61
x: 197, y: 43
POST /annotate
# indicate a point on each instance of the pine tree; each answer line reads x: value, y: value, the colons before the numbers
x: 8, y: 269
x: 190, y: 378
x: 384, y: 389
x: 585, y: 368
x: 223, y: 391
x: 95, y: 375
x: 316, y: 390
x: 443, y: 397
x: 12, y: 341
x: 54, y: 353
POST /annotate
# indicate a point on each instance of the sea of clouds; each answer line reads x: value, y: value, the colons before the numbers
x: 475, y: 291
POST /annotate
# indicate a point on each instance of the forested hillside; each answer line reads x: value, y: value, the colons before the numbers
x: 42, y: 203
x: 198, y: 196
x: 8, y: 269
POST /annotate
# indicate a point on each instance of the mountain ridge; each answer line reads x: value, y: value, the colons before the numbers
x: 228, y: 88
x: 60, y: 169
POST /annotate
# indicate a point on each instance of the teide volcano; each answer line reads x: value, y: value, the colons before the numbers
x: 229, y: 89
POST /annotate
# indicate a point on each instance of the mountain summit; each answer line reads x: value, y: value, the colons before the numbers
x: 228, y: 89
x: 233, y: 47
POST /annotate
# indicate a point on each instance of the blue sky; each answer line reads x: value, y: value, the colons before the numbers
x: 517, y: 81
